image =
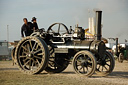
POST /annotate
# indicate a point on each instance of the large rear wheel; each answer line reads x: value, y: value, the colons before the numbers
x: 13, y: 55
x: 32, y: 55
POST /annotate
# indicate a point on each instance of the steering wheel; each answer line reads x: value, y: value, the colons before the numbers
x: 57, y: 29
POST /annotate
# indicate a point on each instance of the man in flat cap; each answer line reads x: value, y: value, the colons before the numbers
x: 35, y: 26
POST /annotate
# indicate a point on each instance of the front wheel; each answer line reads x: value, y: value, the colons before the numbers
x: 121, y: 58
x: 84, y: 63
x: 105, y: 66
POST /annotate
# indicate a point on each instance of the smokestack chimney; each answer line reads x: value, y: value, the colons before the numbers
x: 116, y: 46
x: 98, y: 25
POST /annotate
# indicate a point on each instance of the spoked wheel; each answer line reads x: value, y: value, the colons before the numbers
x: 57, y: 63
x: 13, y: 55
x: 32, y: 55
x: 105, y: 66
x: 57, y: 29
x: 84, y: 63
x: 121, y: 58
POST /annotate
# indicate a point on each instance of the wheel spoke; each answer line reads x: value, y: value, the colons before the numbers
x: 78, y: 63
x: 38, y: 57
x: 30, y: 44
x: 37, y: 47
x: 85, y: 56
x: 90, y: 65
x: 99, y: 67
x: 28, y: 47
x: 34, y: 47
x: 55, y: 67
x: 35, y: 62
x: 87, y: 69
x: 83, y: 69
x: 107, y: 64
x: 80, y: 68
x: 25, y: 48
x: 32, y: 65
x: 89, y: 61
x: 106, y: 68
x: 107, y: 60
x: 52, y: 31
x: 25, y: 53
x: 26, y: 63
x: 59, y: 28
x: 25, y: 59
x: 52, y: 57
x: 50, y: 64
x: 37, y: 51
x: 23, y: 56
x: 102, y: 69
x: 38, y: 62
x: 51, y: 61
x: 40, y: 54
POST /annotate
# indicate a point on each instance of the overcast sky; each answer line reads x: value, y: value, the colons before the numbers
x: 69, y: 12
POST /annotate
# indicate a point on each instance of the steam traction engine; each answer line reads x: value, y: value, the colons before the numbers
x: 53, y: 50
x: 120, y: 50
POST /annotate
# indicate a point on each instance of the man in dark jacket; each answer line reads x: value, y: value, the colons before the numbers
x: 35, y: 26
x: 26, y: 28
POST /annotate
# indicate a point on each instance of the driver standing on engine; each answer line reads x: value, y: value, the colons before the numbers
x: 26, y: 28
x: 35, y: 26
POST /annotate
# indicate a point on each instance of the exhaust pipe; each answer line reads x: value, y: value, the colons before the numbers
x: 116, y: 46
x: 98, y: 25
x: 97, y: 45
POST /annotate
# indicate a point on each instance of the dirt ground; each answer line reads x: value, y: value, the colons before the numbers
x: 10, y: 75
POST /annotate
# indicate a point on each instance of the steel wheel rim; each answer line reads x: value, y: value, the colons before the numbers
x: 28, y: 60
x: 87, y: 63
x: 106, y: 66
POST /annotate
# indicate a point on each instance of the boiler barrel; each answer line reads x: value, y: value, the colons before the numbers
x: 83, y: 44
